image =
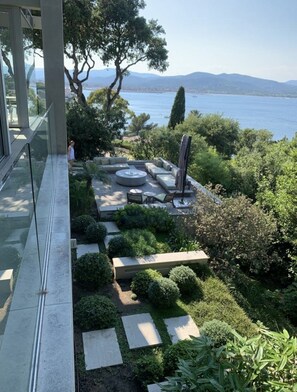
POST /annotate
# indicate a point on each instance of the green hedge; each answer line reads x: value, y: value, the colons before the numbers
x: 92, y: 270
x: 95, y: 312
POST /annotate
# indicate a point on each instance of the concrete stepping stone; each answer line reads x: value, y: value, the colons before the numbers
x: 107, y: 240
x: 101, y: 349
x: 155, y: 387
x: 181, y: 328
x: 141, y: 331
x: 111, y: 227
x: 82, y: 249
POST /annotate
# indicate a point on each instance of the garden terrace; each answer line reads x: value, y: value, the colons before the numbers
x: 111, y: 196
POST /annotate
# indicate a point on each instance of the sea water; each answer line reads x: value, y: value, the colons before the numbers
x: 276, y: 114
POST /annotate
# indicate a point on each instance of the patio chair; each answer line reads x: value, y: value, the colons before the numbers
x: 164, y: 197
x: 138, y: 198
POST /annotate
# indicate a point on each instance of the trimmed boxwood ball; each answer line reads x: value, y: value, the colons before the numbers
x: 80, y: 223
x: 142, y: 280
x: 184, y: 277
x: 172, y: 354
x: 96, y: 232
x: 148, y: 369
x: 95, y: 312
x: 218, y: 331
x: 119, y: 246
x: 163, y: 292
x: 92, y: 270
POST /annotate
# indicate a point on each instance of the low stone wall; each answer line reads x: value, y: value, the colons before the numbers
x: 126, y: 267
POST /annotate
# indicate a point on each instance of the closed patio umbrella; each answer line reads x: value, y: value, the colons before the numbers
x: 181, y: 176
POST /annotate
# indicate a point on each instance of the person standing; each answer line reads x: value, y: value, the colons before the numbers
x: 71, y: 155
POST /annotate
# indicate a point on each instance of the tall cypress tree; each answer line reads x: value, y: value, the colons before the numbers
x: 177, y: 115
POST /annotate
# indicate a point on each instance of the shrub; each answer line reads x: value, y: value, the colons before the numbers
x: 95, y: 312
x: 148, y: 369
x: 290, y: 302
x: 96, y: 232
x: 160, y: 220
x: 218, y: 331
x: 80, y: 223
x: 119, y: 246
x: 202, y: 270
x: 132, y: 216
x: 9, y: 257
x: 92, y: 270
x: 172, y: 355
x: 81, y: 197
x: 163, y: 292
x: 184, y: 277
x: 219, y: 304
x: 142, y: 280
x: 143, y: 242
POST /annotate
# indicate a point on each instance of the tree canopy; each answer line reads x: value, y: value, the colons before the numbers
x: 119, y: 114
x: 114, y: 31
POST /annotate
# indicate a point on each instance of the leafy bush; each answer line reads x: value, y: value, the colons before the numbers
x: 265, y: 362
x: 143, y: 242
x: 81, y: 197
x: 119, y: 246
x: 9, y: 257
x: 163, y: 292
x: 135, y: 242
x: 184, y: 277
x: 202, y: 270
x: 142, y: 280
x: 173, y: 353
x: 92, y: 270
x: 132, y: 216
x: 237, y: 231
x: 218, y: 331
x: 180, y: 241
x: 95, y: 312
x: 80, y: 223
x: 96, y: 232
x: 148, y: 369
x: 160, y: 220
x: 290, y: 302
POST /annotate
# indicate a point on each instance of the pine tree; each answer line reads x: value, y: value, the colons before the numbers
x: 177, y: 115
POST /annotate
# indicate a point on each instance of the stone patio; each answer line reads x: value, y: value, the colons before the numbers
x: 112, y: 196
x: 141, y: 331
x: 181, y: 328
x: 101, y: 349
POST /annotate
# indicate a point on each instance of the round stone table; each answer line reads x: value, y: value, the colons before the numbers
x: 131, y: 177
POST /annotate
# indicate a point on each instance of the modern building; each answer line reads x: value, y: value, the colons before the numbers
x: 36, y: 327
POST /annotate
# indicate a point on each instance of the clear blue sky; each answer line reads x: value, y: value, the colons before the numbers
x: 252, y: 37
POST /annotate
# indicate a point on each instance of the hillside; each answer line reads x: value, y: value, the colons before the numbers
x: 197, y: 82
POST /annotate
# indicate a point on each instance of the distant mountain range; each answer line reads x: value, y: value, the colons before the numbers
x: 197, y: 82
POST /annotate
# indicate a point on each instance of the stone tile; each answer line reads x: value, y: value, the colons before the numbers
x: 141, y: 330
x: 82, y: 249
x: 101, y: 349
x: 155, y: 387
x: 111, y: 227
x: 181, y: 328
x: 107, y: 239
x: 56, y: 367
